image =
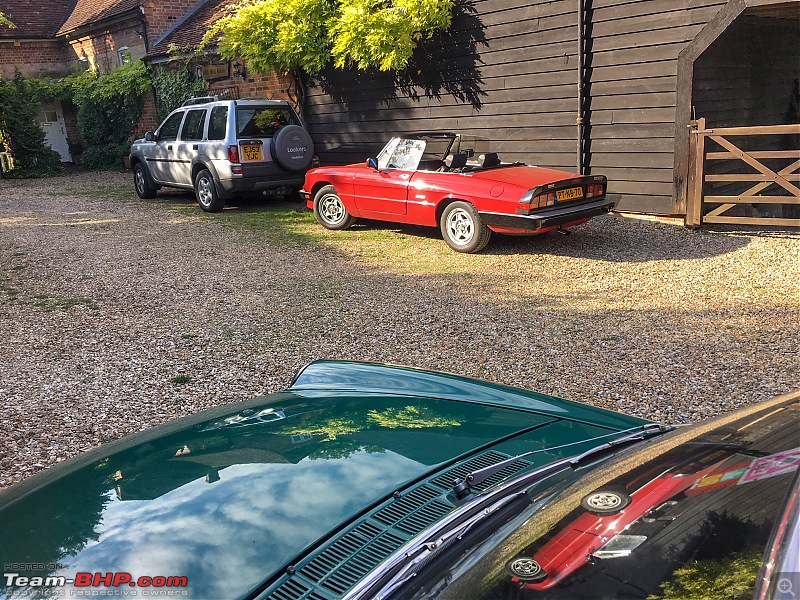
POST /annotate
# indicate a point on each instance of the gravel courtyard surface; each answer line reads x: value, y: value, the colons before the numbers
x: 118, y: 314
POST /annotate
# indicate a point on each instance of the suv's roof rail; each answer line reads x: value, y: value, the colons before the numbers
x: 200, y: 100
x: 255, y: 98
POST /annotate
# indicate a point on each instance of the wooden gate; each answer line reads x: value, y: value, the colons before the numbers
x: 717, y: 195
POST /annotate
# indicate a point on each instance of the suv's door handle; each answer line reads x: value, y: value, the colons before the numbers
x: 169, y: 147
x: 195, y: 147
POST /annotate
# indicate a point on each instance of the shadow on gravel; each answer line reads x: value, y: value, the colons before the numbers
x: 605, y: 238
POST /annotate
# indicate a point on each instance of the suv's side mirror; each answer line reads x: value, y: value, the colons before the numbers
x: 372, y: 163
x: 149, y: 137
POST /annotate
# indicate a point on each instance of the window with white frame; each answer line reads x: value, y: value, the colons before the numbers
x: 124, y: 55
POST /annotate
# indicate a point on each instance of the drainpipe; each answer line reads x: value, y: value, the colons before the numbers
x: 579, y: 120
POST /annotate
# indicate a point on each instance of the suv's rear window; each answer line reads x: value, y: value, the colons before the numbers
x: 262, y: 121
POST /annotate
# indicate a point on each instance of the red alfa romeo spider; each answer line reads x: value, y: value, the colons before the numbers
x: 454, y: 182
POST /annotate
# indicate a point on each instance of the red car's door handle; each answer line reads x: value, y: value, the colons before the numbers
x: 404, y: 176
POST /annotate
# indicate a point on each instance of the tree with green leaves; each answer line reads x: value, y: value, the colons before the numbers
x: 297, y: 37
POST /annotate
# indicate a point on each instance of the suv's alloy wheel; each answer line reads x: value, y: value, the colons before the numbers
x: 206, y: 192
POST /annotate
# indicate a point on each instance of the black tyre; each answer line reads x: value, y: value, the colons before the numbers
x: 526, y: 569
x: 605, y: 502
x: 292, y: 148
x: 142, y: 182
x: 462, y: 228
x: 206, y: 192
x: 330, y: 211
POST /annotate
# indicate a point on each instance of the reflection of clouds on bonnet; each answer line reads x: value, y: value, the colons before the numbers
x: 256, y: 518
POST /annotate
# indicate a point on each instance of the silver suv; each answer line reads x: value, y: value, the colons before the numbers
x: 221, y: 148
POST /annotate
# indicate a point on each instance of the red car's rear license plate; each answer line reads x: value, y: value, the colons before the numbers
x: 252, y: 152
x: 569, y: 194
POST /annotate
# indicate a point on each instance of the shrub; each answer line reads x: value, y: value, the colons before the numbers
x: 20, y: 132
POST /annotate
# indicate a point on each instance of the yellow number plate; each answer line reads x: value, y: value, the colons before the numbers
x: 252, y: 153
x: 569, y: 194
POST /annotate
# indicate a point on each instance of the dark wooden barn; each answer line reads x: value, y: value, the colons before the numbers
x: 600, y: 86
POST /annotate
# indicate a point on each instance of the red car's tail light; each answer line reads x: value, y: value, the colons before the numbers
x: 595, y: 189
x: 528, y: 202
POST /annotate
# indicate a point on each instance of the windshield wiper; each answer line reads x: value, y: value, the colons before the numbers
x: 455, y: 525
x: 462, y: 487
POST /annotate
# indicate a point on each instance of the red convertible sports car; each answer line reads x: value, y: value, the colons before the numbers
x: 454, y: 182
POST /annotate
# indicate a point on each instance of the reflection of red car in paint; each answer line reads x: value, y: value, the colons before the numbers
x: 454, y: 182
x: 607, y: 513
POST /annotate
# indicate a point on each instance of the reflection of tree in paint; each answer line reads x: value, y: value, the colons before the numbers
x: 723, y: 560
x: 335, y: 429
x: 410, y: 417
x: 71, y: 507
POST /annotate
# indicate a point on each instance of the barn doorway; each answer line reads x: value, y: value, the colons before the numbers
x: 742, y: 71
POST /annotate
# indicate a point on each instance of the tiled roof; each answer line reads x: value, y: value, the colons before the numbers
x: 189, y: 31
x: 37, y: 20
x: 90, y: 11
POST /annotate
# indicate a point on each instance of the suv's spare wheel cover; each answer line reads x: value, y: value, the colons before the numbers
x: 292, y: 148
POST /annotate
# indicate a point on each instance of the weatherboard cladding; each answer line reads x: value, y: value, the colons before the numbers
x: 508, y: 71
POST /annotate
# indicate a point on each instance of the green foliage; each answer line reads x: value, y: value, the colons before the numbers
x: 173, y: 87
x: 731, y: 578
x: 4, y: 20
x: 410, y: 417
x: 109, y: 108
x: 278, y: 35
x: 285, y: 35
x: 373, y: 33
x: 97, y: 157
x: 20, y: 132
x: 128, y: 80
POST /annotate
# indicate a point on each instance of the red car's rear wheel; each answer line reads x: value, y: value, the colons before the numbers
x: 462, y: 228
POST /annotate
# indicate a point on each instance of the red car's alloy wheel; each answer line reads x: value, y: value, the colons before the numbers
x: 605, y: 502
x: 526, y: 569
x: 462, y: 228
x: 330, y: 210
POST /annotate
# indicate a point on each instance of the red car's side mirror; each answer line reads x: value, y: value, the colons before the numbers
x: 372, y: 163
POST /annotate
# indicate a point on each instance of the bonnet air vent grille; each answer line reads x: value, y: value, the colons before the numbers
x: 445, y: 480
x: 337, y: 568
x: 424, y: 517
x: 351, y: 557
x: 401, y: 508
x: 294, y: 590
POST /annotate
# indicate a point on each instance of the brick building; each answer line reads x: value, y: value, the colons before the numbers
x: 226, y: 78
x: 64, y: 36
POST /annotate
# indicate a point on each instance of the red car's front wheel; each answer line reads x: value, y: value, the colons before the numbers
x: 330, y: 211
x: 462, y: 228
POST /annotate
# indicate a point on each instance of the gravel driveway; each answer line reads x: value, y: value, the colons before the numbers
x: 117, y: 314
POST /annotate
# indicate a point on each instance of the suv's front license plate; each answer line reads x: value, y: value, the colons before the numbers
x: 569, y: 194
x: 252, y: 152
